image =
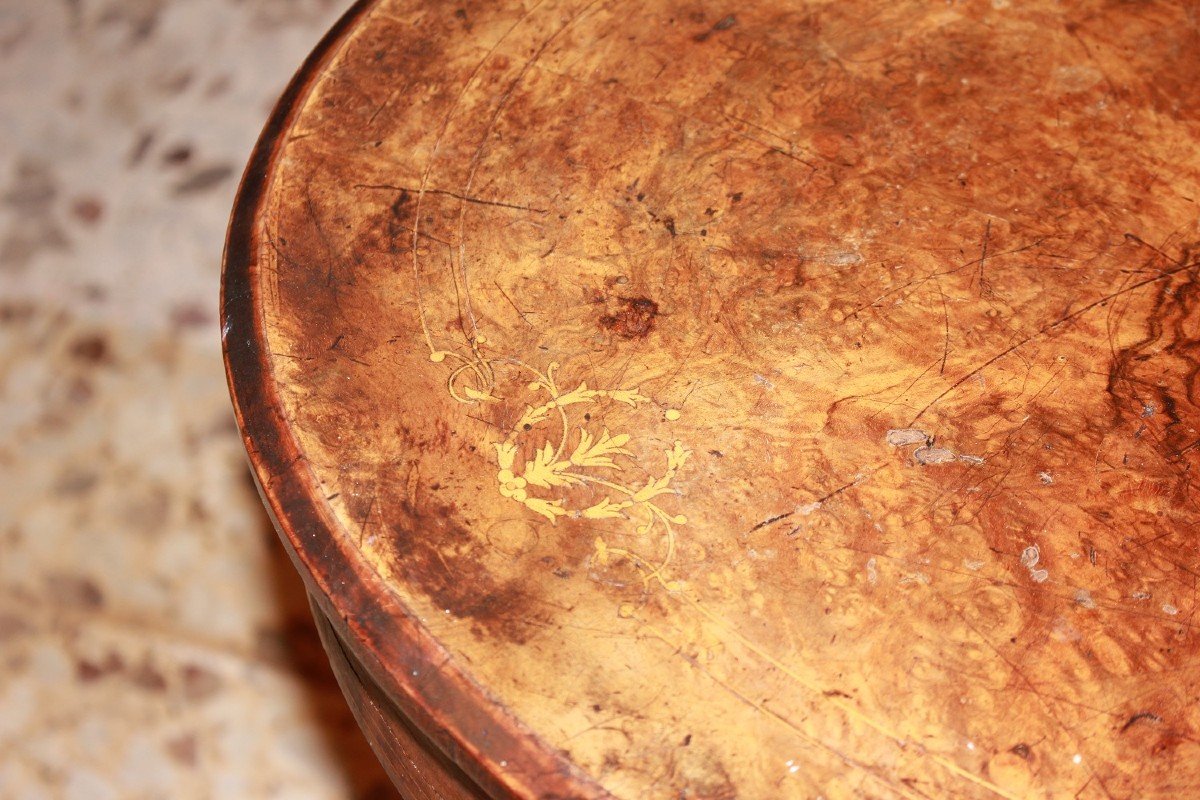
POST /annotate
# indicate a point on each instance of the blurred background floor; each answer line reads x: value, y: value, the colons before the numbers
x: 154, y: 640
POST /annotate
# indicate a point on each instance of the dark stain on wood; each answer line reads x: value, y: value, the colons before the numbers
x: 633, y: 318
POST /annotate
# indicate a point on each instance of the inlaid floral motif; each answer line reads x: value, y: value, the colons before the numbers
x: 576, y: 456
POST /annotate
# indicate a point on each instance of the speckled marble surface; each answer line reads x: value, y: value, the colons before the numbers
x: 154, y: 641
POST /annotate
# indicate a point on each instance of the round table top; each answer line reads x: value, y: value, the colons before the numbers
x: 762, y: 400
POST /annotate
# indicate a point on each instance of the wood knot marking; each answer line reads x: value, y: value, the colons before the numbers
x: 633, y: 318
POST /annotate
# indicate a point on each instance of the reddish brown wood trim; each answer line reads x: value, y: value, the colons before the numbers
x: 415, y: 764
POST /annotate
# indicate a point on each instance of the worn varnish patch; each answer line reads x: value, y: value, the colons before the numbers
x: 450, y: 570
x: 870, y: 469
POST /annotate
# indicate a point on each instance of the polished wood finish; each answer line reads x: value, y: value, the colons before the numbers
x: 417, y: 766
x: 786, y: 399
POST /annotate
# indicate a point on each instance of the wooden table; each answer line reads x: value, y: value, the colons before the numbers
x: 763, y: 400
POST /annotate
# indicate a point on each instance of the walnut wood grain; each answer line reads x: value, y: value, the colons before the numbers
x: 787, y: 399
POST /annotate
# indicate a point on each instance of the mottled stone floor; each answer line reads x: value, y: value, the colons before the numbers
x: 154, y: 641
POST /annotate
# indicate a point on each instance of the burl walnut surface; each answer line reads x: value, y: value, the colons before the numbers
x: 763, y: 400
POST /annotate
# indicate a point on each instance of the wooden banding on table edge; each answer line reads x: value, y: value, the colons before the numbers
x: 427, y: 750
